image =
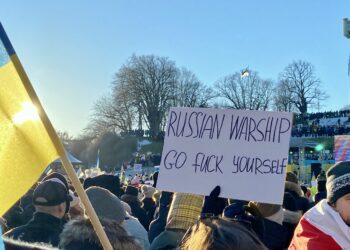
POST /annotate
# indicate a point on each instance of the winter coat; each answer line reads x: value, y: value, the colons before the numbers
x: 169, y: 239
x: 136, y: 209
x: 149, y: 206
x: 135, y: 229
x: 303, y: 203
x: 79, y: 235
x: 275, y: 235
x: 321, y: 228
x: 41, y: 228
x: 290, y: 222
x: 14, y: 217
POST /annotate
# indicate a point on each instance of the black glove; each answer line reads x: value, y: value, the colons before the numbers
x: 213, y: 204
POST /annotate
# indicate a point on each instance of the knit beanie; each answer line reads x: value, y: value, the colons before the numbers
x: 338, y: 181
x: 184, y: 211
x: 106, y: 204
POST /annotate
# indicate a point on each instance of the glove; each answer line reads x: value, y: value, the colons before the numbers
x: 213, y: 204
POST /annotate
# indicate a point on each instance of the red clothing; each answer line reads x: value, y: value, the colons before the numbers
x: 307, y: 236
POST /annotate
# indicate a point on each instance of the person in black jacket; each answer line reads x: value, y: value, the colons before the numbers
x: 321, y: 188
x: 292, y: 186
x: 51, y: 201
x: 157, y: 226
x: 131, y: 197
x: 147, y: 202
x: 275, y: 234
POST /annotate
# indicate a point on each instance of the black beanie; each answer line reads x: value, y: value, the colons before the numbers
x: 338, y: 181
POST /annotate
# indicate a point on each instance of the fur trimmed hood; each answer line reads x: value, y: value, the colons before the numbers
x: 81, y: 231
x: 291, y: 217
x: 291, y: 186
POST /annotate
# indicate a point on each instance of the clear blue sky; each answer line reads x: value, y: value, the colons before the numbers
x: 71, y: 49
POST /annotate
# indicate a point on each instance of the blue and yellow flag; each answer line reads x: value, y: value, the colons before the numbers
x: 25, y: 145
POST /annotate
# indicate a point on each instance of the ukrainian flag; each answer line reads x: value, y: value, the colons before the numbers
x: 25, y: 145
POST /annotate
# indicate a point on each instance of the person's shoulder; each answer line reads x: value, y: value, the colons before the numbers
x: 15, y: 232
x: 307, y: 236
x: 168, y: 239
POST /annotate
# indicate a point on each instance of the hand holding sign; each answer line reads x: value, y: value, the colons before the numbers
x: 213, y: 204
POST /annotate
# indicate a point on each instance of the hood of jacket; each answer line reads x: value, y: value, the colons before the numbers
x: 291, y: 217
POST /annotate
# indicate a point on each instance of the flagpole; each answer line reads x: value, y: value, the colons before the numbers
x: 62, y: 154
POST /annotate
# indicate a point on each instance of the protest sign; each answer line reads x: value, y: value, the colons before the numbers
x: 138, y: 167
x: 342, y: 148
x: 245, y: 152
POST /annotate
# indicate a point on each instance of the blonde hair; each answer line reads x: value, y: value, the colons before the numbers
x: 156, y: 196
x: 220, y: 234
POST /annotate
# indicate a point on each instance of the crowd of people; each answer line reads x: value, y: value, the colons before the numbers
x: 138, y: 216
x: 319, y: 131
x: 319, y: 115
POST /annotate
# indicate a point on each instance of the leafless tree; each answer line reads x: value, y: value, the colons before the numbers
x: 112, y: 113
x: 303, y: 85
x: 283, y: 97
x: 247, y: 91
x: 149, y: 81
x: 190, y: 92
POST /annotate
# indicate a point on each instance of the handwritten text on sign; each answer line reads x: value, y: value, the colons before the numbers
x: 245, y: 152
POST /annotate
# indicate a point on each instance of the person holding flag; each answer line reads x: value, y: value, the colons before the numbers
x: 28, y: 141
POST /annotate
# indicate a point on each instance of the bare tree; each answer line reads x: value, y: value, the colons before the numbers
x: 283, y: 97
x: 113, y: 113
x: 150, y: 81
x: 246, y: 92
x: 303, y: 85
x: 190, y: 92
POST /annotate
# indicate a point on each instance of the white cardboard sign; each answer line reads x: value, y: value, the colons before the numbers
x: 138, y: 167
x: 245, y: 152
